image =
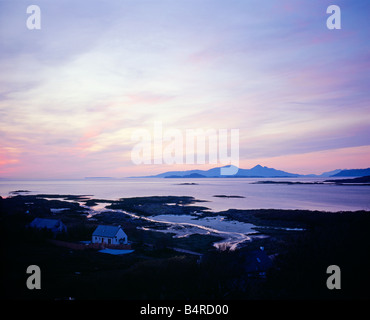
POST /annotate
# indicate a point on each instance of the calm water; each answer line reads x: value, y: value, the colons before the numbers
x: 313, y: 197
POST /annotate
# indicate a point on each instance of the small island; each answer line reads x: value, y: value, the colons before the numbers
x: 19, y: 191
x: 354, y: 181
x: 187, y: 184
x: 225, y: 196
x: 359, y: 181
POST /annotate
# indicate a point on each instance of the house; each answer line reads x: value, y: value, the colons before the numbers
x: 56, y: 226
x: 109, y: 235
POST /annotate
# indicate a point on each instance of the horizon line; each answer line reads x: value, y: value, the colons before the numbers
x: 153, y: 175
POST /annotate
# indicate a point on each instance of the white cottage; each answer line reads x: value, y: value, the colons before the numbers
x: 109, y: 235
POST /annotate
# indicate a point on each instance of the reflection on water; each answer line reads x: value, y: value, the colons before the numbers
x: 234, y: 233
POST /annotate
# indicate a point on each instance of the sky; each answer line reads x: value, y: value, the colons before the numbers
x: 73, y: 93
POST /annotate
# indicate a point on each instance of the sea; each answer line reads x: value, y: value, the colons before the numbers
x: 324, y: 197
x: 231, y: 193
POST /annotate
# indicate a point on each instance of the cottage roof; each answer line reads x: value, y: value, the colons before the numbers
x: 106, y: 231
x: 45, y: 223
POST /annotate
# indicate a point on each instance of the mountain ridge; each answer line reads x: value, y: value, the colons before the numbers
x: 257, y: 171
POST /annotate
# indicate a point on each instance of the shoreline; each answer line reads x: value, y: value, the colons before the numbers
x: 178, y: 216
x: 295, y: 244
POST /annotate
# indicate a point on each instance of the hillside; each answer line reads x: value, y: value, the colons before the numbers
x: 353, y: 173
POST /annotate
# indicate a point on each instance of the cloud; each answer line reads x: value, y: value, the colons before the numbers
x: 73, y: 92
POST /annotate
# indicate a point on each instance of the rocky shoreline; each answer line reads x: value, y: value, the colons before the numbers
x: 299, y: 244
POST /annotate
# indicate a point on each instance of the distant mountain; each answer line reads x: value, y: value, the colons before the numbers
x: 259, y: 171
x: 192, y: 175
x: 255, y: 172
x: 330, y: 173
x: 361, y: 180
x: 178, y: 174
x: 353, y: 173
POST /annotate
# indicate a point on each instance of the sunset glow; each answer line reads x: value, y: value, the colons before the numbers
x: 73, y: 92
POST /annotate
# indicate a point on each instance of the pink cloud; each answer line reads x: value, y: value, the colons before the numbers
x: 317, y: 162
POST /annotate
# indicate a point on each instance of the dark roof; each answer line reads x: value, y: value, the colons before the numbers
x: 106, y: 231
x: 41, y: 223
x: 257, y: 261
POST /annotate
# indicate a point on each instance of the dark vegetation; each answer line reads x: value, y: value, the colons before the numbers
x: 155, y: 271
